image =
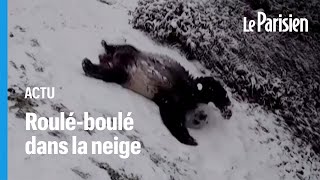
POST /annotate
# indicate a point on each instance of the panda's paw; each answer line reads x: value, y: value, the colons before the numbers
x: 104, y: 43
x: 87, y: 66
x: 188, y: 140
x: 191, y: 141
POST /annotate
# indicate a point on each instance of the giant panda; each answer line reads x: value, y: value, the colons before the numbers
x: 162, y: 80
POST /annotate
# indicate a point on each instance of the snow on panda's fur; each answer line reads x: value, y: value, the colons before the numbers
x: 162, y: 80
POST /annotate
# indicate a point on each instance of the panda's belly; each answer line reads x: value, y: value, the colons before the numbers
x: 146, y: 79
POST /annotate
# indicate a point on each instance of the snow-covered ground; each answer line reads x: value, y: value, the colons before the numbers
x: 48, y: 40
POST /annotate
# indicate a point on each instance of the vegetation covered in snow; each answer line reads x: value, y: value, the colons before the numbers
x: 280, y: 71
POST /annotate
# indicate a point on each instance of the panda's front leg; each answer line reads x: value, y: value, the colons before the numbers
x: 174, y: 120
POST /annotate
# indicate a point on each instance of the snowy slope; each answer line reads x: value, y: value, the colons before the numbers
x: 49, y: 39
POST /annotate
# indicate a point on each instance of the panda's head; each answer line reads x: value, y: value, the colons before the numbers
x: 210, y: 90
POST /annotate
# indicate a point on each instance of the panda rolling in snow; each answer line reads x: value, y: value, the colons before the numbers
x: 162, y: 80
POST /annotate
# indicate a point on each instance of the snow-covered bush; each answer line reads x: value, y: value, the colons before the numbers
x: 279, y: 71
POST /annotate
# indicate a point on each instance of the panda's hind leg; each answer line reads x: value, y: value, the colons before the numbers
x: 91, y: 69
x: 116, y: 75
x: 108, y: 48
